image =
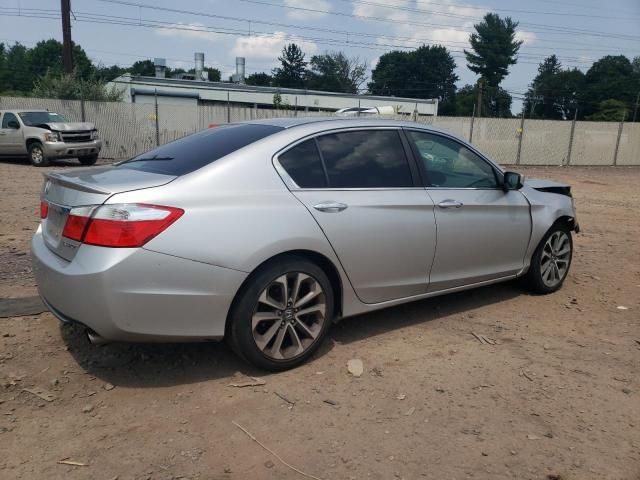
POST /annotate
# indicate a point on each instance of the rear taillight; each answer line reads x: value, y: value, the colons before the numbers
x: 77, y: 222
x: 121, y: 225
x: 44, y: 209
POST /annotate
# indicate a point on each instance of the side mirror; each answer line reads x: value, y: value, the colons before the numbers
x: 13, y: 124
x: 512, y: 181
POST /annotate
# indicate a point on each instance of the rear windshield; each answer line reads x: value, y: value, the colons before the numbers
x: 195, y: 151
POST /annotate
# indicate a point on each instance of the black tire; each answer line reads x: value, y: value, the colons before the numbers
x: 240, y: 335
x: 90, y: 160
x: 37, y: 156
x: 534, y: 278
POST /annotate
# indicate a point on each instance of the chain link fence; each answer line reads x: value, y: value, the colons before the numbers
x: 128, y: 129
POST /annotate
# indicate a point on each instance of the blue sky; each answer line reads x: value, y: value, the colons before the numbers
x: 578, y: 31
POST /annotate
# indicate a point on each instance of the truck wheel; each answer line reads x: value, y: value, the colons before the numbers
x: 37, y: 156
x: 90, y: 160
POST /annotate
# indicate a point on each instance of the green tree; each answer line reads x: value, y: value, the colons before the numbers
x: 213, y: 73
x: 392, y: 75
x: 611, y: 77
x: 106, y: 74
x: 610, y: 110
x: 291, y: 73
x: 496, y: 101
x: 427, y: 72
x: 72, y: 87
x: 335, y: 72
x: 259, y: 79
x: 540, y: 98
x: 46, y: 57
x: 143, y: 68
x: 494, y: 49
x: 554, y: 93
x: 17, y: 74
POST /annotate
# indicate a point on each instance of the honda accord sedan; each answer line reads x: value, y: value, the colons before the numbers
x: 264, y: 233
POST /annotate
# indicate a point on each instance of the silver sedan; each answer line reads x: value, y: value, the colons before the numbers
x: 266, y: 232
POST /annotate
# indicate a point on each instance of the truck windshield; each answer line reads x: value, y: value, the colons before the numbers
x: 38, y: 118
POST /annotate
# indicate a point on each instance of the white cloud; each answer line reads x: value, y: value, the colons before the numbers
x: 527, y: 37
x: 394, y: 14
x: 269, y: 47
x: 435, y: 22
x: 196, y: 31
x: 311, y: 5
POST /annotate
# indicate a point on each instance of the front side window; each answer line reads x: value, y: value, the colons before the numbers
x: 365, y: 159
x: 450, y: 164
x: 304, y: 166
x: 8, y: 118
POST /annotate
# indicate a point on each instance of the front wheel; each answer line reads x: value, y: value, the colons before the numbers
x: 37, y: 155
x: 551, y: 261
x: 90, y: 160
x: 282, y: 315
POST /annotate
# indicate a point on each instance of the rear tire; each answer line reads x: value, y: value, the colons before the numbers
x: 282, y: 315
x: 37, y: 155
x: 90, y: 160
x: 551, y: 261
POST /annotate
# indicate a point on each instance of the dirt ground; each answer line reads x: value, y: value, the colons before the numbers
x: 557, y: 396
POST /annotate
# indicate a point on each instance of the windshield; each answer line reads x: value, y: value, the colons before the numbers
x: 37, y: 118
x: 195, y: 151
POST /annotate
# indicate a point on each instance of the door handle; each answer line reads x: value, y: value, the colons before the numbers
x: 330, y: 207
x: 450, y: 203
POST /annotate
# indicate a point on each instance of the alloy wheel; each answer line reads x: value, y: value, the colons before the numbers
x: 36, y: 154
x: 289, y: 316
x: 555, y: 258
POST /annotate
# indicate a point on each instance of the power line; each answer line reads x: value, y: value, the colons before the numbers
x: 548, y: 29
x: 482, y: 9
x: 138, y: 22
x: 415, y: 40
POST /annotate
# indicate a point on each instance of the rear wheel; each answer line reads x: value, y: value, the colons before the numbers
x: 282, y: 315
x: 37, y: 155
x: 90, y: 160
x: 551, y: 261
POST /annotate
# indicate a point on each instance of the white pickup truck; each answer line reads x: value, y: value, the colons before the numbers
x: 44, y: 136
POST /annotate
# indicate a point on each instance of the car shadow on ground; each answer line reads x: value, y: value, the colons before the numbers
x: 66, y: 162
x: 162, y: 365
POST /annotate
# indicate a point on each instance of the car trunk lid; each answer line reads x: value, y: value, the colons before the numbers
x: 64, y: 190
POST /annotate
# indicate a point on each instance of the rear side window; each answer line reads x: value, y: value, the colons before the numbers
x: 365, y: 159
x: 304, y: 166
x: 198, y: 150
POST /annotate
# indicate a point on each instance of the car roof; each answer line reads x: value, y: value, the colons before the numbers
x: 326, y: 123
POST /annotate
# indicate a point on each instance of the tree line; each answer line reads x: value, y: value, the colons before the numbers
x: 608, y: 90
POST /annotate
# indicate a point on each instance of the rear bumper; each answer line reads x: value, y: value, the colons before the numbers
x: 135, y: 294
x: 66, y: 150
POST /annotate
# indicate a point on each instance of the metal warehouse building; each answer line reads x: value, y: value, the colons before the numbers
x: 192, y: 92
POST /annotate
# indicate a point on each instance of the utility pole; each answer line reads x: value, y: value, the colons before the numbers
x: 67, y: 47
x: 635, y: 109
x: 479, y: 106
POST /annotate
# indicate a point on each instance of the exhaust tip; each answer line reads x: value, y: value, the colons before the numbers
x: 95, y: 339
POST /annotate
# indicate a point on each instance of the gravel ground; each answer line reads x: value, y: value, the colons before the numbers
x: 557, y: 396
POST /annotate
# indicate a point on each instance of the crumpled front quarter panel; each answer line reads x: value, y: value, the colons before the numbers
x: 546, y: 208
